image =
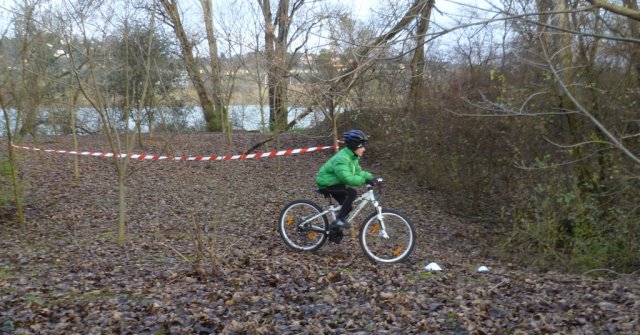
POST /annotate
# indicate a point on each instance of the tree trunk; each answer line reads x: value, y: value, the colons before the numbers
x: 577, y: 126
x: 122, y: 210
x: 634, y: 29
x: 13, y: 166
x: 211, y: 115
x: 417, y: 62
x: 74, y: 135
x: 276, y: 53
x: 279, y: 118
x: 217, y: 96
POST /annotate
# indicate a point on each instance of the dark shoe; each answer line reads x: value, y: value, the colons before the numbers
x: 339, y: 224
x: 336, y: 236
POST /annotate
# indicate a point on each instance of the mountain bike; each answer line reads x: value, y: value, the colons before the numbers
x: 386, y: 235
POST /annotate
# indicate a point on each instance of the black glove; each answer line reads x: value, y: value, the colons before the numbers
x: 374, y: 181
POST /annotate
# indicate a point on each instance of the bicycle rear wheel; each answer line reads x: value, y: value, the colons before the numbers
x: 390, y: 244
x: 305, y: 237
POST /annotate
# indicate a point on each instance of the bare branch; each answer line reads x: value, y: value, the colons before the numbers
x: 615, y: 141
x: 624, y: 11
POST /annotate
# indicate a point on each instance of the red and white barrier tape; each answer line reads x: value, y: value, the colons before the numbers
x: 182, y: 158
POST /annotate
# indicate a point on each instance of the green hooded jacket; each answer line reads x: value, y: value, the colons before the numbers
x: 342, y: 168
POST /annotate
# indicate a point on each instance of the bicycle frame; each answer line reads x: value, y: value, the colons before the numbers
x: 359, y: 204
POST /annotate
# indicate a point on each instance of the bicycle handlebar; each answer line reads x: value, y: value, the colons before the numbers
x: 377, y: 182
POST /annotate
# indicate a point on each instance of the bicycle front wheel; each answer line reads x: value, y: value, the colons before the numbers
x: 388, y: 237
x: 301, y: 226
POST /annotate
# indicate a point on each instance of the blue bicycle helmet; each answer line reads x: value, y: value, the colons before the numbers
x: 354, y: 139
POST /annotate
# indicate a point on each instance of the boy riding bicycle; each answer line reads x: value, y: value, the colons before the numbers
x: 386, y: 235
x: 342, y: 171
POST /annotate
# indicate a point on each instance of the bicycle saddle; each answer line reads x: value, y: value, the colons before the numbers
x: 323, y: 192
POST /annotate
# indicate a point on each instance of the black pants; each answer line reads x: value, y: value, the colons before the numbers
x: 345, y: 196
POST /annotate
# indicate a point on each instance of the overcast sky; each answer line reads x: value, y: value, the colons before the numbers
x: 361, y: 8
x: 442, y: 17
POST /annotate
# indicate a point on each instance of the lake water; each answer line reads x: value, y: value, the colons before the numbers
x: 243, y: 117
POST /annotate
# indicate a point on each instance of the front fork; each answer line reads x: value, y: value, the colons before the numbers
x: 383, y: 229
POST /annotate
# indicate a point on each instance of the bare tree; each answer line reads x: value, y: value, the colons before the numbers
x: 25, y: 84
x: 364, y: 56
x: 276, y: 34
x: 33, y: 54
x: 418, y: 59
x: 569, y: 65
x: 90, y: 81
x: 213, y: 107
x: 372, y: 51
x: 220, y: 102
x: 633, y: 14
x: 5, y: 81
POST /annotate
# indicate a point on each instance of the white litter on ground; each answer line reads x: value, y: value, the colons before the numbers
x: 483, y: 269
x: 433, y: 267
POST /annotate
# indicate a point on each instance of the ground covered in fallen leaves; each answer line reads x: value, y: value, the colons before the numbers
x: 65, y: 274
